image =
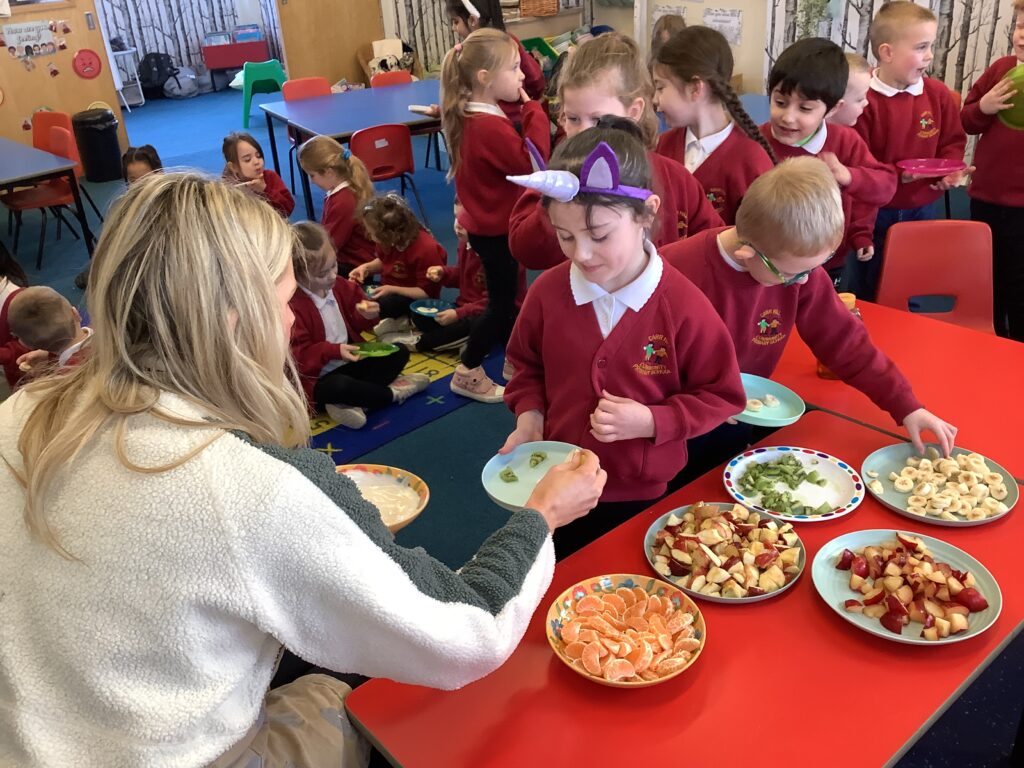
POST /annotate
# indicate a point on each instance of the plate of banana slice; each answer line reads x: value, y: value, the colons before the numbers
x: 963, y: 489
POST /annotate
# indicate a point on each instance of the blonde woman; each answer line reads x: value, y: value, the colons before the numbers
x: 166, y: 533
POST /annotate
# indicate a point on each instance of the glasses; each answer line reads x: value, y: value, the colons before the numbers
x: 775, y: 270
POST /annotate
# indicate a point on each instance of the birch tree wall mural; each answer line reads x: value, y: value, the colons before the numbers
x: 177, y: 27
x: 971, y: 33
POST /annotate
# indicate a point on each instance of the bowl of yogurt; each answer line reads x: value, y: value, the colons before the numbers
x: 399, y: 495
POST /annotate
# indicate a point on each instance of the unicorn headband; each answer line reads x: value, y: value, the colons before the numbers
x: 599, y: 175
x: 471, y: 9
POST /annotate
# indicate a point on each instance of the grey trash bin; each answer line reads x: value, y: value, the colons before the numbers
x: 96, y: 136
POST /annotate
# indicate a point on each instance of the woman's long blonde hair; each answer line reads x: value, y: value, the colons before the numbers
x: 614, y: 53
x: 488, y: 49
x: 181, y: 299
x: 322, y: 153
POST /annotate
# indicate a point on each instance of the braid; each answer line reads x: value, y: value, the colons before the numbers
x: 724, y: 92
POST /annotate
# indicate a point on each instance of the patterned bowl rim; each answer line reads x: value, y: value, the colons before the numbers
x: 404, y: 476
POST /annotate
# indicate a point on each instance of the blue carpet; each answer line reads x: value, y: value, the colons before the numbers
x: 346, y: 445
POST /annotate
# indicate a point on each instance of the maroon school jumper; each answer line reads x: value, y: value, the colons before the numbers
x: 999, y: 158
x: 408, y: 268
x: 347, y: 234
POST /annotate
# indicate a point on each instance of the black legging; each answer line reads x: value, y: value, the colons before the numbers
x: 502, y: 274
x: 362, y: 384
x: 394, y: 305
x: 436, y: 335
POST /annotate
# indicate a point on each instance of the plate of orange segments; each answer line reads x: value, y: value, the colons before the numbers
x: 625, y: 630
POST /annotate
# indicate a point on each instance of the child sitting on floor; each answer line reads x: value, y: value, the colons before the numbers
x: 450, y: 328
x: 405, y: 251
x: 324, y: 337
x: 243, y: 156
x: 46, y: 323
x: 12, y: 281
x: 763, y: 278
x: 347, y: 188
x: 136, y: 162
x: 612, y: 351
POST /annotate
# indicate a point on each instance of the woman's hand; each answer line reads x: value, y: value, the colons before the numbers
x: 349, y: 352
x: 529, y: 429
x: 619, y: 418
x: 920, y: 420
x: 446, y: 317
x: 570, y: 490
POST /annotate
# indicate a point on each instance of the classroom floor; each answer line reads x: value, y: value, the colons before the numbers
x: 448, y: 453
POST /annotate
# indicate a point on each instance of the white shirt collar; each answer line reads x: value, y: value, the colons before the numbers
x: 817, y: 142
x: 915, y: 89
x: 70, y: 352
x: 711, y: 142
x: 487, y: 109
x: 635, y: 295
x: 338, y: 188
x: 317, y: 300
x: 726, y: 257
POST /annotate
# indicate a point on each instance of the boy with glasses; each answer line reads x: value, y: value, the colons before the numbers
x: 763, y: 277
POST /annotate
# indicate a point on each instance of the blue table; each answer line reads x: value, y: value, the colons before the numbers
x: 342, y: 114
x: 23, y: 166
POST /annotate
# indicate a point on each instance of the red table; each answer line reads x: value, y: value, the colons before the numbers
x: 968, y: 378
x: 783, y: 682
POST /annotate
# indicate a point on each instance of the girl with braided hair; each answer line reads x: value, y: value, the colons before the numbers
x: 691, y: 88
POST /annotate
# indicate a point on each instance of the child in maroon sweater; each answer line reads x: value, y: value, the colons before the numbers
x: 243, y: 156
x: 766, y: 269
x: 997, y: 185
x: 612, y: 351
x: 327, y: 328
x: 607, y: 78
x: 347, y: 188
x: 405, y: 251
x: 12, y: 280
x: 711, y: 132
x: 909, y: 116
x: 485, y: 149
x: 806, y: 86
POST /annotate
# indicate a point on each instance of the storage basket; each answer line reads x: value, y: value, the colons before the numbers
x: 538, y: 7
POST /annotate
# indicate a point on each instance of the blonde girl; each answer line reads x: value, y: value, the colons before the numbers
x: 347, y: 188
x: 485, y: 150
x: 160, y: 507
x: 607, y: 76
x: 711, y: 132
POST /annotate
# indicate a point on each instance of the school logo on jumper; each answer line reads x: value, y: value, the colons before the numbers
x: 716, y: 196
x: 926, y: 125
x: 683, y: 224
x: 399, y: 270
x: 655, y: 357
x: 768, y: 325
x: 480, y: 280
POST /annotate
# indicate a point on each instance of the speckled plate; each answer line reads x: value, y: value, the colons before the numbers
x: 844, y: 491
x: 893, y: 458
x: 562, y: 610
x: 834, y: 585
x: 661, y: 522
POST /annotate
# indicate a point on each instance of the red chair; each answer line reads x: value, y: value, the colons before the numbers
x: 55, y: 195
x: 386, y: 151
x: 384, y: 79
x: 941, y: 258
x: 296, y: 90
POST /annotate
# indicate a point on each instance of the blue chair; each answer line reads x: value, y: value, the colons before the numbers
x: 757, y: 107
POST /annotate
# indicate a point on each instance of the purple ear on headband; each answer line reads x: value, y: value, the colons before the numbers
x: 599, y: 175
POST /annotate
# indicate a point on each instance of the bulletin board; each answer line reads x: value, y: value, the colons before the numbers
x: 51, y: 60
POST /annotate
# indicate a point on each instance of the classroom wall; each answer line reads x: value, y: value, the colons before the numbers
x: 25, y: 92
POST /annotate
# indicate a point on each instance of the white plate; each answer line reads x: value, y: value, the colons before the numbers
x: 834, y: 585
x: 513, y: 496
x: 893, y: 458
x: 658, y: 524
x: 844, y: 491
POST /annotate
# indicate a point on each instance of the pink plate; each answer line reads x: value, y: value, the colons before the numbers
x: 931, y: 166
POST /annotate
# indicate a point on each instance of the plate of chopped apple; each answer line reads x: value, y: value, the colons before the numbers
x: 724, y: 552
x: 906, y: 587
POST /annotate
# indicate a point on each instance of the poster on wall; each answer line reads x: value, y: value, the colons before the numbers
x: 728, y: 22
x: 29, y: 39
